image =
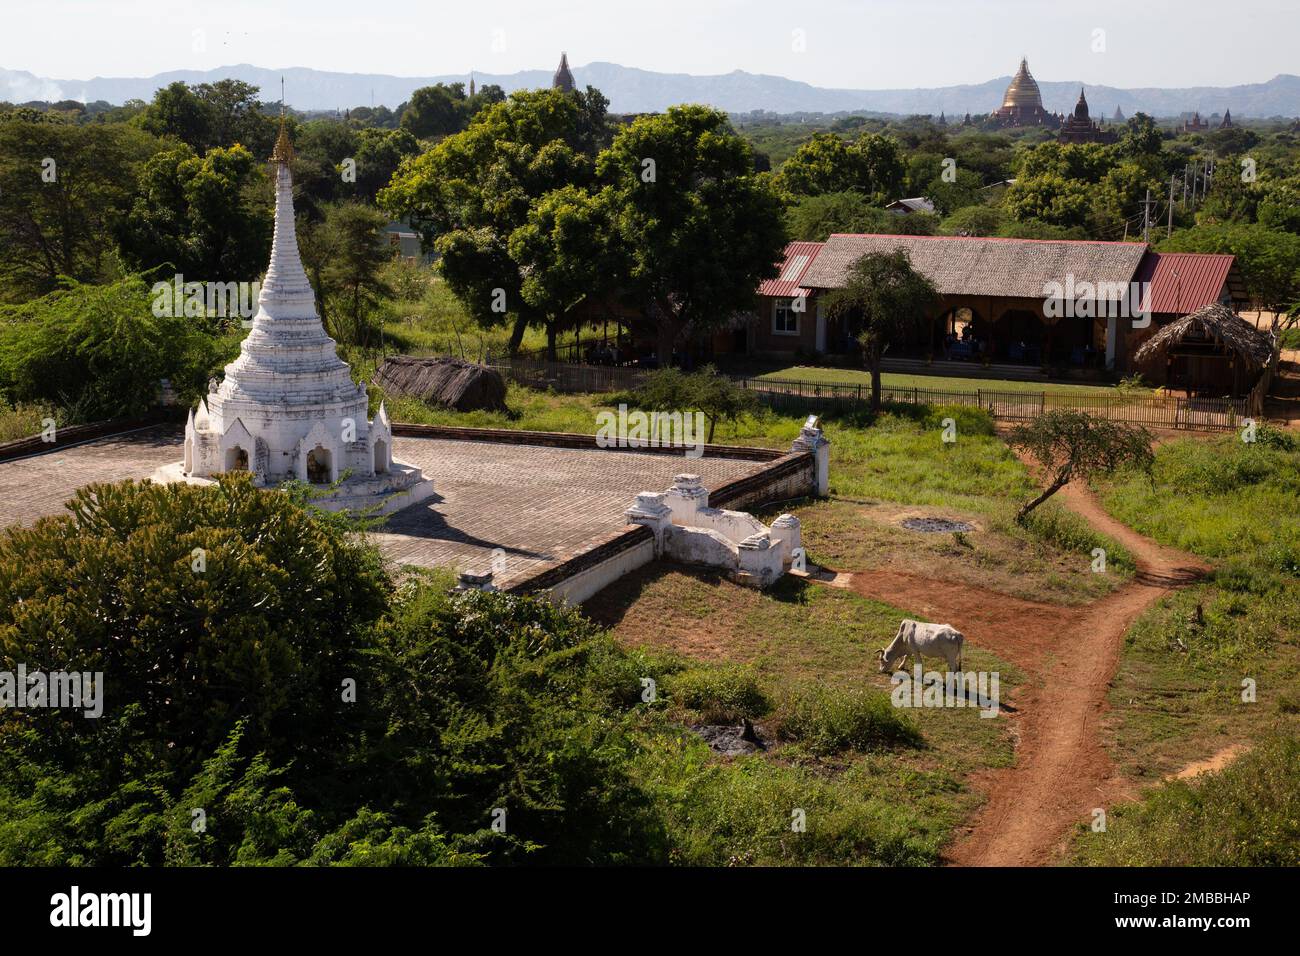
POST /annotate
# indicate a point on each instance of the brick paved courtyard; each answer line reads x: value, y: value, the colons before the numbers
x: 539, y: 505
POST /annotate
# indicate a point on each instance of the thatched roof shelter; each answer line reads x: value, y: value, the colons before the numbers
x: 451, y: 382
x: 1216, y: 324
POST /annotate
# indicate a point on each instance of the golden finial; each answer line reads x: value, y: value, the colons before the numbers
x: 283, y: 152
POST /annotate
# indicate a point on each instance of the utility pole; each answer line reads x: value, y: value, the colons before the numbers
x: 1146, y: 218
x: 1170, y: 231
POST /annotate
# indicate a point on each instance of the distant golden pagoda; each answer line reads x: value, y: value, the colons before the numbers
x: 1023, y: 103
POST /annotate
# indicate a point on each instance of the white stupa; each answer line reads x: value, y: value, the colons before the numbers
x: 288, y: 407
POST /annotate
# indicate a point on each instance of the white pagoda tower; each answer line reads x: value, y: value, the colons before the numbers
x: 287, y: 407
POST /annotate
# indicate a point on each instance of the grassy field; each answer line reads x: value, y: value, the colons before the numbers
x: 851, y: 376
x: 798, y: 658
x: 878, y: 785
x: 1181, y: 691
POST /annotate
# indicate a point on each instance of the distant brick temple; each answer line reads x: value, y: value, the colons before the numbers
x: 1080, y: 128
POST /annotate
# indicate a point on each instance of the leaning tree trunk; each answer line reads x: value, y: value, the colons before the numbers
x: 1061, y: 480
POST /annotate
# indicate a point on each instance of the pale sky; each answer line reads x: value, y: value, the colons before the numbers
x: 867, y: 44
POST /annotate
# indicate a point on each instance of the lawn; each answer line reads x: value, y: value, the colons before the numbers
x: 852, y: 376
x: 1190, y: 665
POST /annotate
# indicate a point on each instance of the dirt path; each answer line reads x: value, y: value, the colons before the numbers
x: 1062, y: 770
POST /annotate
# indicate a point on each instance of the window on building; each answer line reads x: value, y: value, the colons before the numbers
x: 785, y: 320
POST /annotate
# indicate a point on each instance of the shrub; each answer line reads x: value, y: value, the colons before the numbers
x: 100, y: 350
x: 830, y: 720
x: 721, y: 695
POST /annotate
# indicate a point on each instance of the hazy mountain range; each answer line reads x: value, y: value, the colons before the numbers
x: 636, y: 91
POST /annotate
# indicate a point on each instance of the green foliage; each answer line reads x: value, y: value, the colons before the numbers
x: 719, y: 695
x: 207, y: 218
x: 472, y: 191
x: 887, y: 299
x: 1065, y: 530
x: 59, y: 220
x: 1223, y: 498
x: 346, y: 258
x: 1269, y: 260
x: 1247, y: 814
x: 706, y: 390
x: 830, y: 720
x: 698, y: 236
x: 815, y: 218
x: 99, y: 351
x: 222, y: 114
x: 1070, y: 444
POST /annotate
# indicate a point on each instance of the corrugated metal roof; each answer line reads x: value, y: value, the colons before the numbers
x: 1182, y: 282
x: 799, y: 256
x: 969, y: 265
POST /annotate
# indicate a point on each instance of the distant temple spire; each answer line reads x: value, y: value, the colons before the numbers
x: 563, y: 79
x: 1227, y: 120
x: 1119, y: 116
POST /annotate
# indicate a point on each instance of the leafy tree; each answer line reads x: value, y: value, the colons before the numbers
x: 814, y: 218
x: 225, y: 113
x: 698, y: 229
x: 1141, y: 137
x: 226, y: 691
x: 888, y: 299
x: 378, y: 155
x: 437, y: 110
x: 564, y: 253
x: 1050, y: 198
x: 62, y: 190
x: 352, y: 275
x: 824, y: 164
x: 974, y: 221
x: 469, y: 194
x: 1070, y: 444
x: 179, y: 112
x: 99, y: 350
x: 210, y: 218
x: 882, y: 162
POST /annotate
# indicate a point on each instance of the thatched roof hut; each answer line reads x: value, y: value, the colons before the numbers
x: 454, y: 383
x: 1211, y: 347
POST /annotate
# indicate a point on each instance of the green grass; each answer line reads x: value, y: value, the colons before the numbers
x: 1180, y: 694
x: 24, y: 421
x: 852, y: 376
x: 1245, y: 815
x: 877, y: 786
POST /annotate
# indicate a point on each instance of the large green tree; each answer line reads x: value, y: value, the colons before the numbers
x: 210, y: 218
x: 885, y: 298
x: 473, y: 190
x: 62, y: 192
x: 696, y: 227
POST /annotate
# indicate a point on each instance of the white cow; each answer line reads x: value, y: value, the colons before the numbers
x: 918, y: 640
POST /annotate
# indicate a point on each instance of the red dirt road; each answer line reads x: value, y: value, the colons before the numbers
x: 1061, y: 770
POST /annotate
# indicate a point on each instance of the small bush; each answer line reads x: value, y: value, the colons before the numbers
x: 829, y: 721
x: 721, y: 695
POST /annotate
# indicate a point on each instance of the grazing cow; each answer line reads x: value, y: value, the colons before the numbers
x: 919, y: 640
